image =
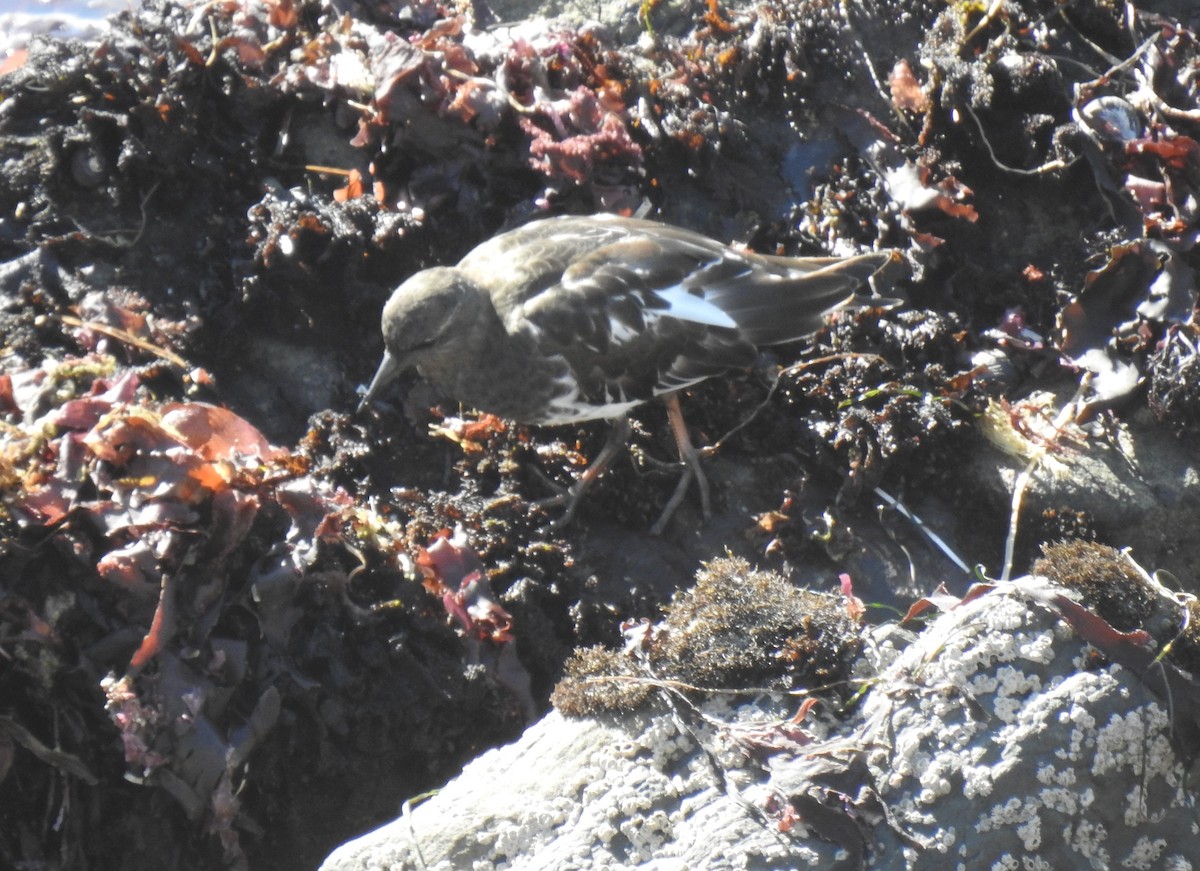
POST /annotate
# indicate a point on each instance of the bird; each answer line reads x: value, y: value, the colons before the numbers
x: 578, y: 318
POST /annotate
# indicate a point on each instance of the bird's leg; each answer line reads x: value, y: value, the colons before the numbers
x: 618, y: 437
x: 691, y: 457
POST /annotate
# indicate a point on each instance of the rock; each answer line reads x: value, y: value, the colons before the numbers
x: 1134, y: 487
x: 997, y: 738
x: 999, y: 742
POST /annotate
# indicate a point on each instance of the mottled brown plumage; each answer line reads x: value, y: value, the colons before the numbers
x: 581, y: 318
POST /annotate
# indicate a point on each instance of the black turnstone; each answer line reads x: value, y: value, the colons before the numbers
x: 580, y: 318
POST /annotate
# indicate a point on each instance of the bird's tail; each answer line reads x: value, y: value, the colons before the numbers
x: 793, y: 301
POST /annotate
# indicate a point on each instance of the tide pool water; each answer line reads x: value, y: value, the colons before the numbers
x: 21, y: 20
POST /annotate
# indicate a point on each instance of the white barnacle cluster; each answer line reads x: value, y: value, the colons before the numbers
x: 1026, y: 863
x: 973, y: 670
x: 912, y: 755
x: 994, y: 729
x: 654, y: 805
x: 1087, y: 839
x: 512, y: 838
x: 583, y: 802
x: 1012, y: 686
x: 1036, y: 646
x: 633, y: 821
x: 645, y: 833
x: 1064, y: 801
x: 1133, y: 743
x: 981, y: 652
x: 661, y: 739
x: 1145, y: 854
x: 978, y: 777
x: 649, y: 808
x: 1138, y: 739
x: 1048, y: 775
x: 1030, y: 833
x: 943, y: 840
x: 665, y: 742
x: 1019, y: 815
x: 622, y: 807
x: 883, y: 644
x: 938, y: 777
x: 1087, y: 689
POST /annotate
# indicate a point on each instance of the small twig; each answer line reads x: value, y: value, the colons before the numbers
x: 1065, y: 416
x: 884, y: 94
x: 216, y: 42
x: 1051, y: 166
x: 127, y: 337
x: 1064, y: 59
x: 110, y: 238
x: 1121, y: 66
x: 1118, y: 66
x: 406, y: 815
x: 989, y: 16
x: 937, y: 540
x: 716, y: 446
x: 327, y: 170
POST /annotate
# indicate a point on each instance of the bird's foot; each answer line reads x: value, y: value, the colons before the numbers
x: 567, y: 496
x: 691, y: 472
x: 690, y: 457
x: 571, y: 496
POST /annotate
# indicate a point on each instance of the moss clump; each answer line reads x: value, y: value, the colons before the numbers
x: 1104, y: 577
x: 1110, y: 584
x: 593, y: 683
x: 735, y: 629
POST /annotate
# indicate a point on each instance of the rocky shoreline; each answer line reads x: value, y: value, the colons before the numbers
x: 241, y: 624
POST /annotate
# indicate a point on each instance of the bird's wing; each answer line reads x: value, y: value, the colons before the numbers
x: 638, y: 308
x: 632, y: 289
x: 533, y: 258
x: 631, y: 321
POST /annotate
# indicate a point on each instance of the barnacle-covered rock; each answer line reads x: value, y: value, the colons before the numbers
x: 1015, y: 731
x: 1001, y: 737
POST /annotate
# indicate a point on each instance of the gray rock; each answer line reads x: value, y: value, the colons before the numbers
x: 992, y: 740
x: 1136, y: 484
x: 999, y: 746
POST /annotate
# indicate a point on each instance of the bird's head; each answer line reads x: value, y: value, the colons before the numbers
x: 421, y: 322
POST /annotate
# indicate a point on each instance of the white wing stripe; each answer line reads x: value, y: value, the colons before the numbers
x: 688, y: 306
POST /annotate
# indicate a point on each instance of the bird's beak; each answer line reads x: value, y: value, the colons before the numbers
x: 389, y: 368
